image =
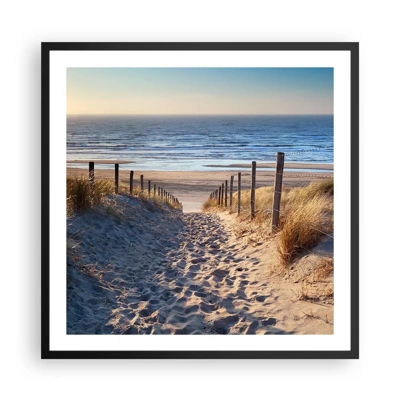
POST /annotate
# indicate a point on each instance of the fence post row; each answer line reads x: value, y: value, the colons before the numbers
x: 253, y: 189
x: 280, y: 159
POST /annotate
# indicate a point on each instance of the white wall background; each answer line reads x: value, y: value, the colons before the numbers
x: 25, y: 24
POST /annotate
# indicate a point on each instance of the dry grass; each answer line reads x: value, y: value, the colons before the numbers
x: 80, y: 197
x: 303, y: 226
x: 315, y: 293
x: 210, y: 204
x: 306, y: 215
x: 323, y: 269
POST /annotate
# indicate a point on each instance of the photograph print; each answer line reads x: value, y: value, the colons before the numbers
x: 200, y: 204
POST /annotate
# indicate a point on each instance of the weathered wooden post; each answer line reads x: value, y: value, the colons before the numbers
x: 280, y: 159
x: 154, y: 190
x: 116, y: 177
x: 149, y: 187
x: 231, y: 192
x: 253, y: 189
x: 141, y: 183
x: 219, y: 196
x: 91, y: 177
x: 131, y: 183
x: 226, y: 193
x: 239, y: 188
x: 222, y: 194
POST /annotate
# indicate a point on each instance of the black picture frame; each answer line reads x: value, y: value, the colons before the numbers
x: 49, y: 48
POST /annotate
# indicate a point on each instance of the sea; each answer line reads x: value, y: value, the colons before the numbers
x: 198, y: 143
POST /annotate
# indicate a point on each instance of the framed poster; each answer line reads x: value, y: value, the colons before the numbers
x: 200, y: 200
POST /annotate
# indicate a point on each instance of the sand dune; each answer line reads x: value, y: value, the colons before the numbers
x: 136, y: 268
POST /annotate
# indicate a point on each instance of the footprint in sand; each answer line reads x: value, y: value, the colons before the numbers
x: 223, y: 325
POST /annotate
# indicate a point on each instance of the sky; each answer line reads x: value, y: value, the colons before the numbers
x: 193, y: 91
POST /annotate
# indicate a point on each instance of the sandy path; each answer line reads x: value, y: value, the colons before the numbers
x: 149, y: 271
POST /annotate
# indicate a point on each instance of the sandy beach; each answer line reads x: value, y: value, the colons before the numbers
x: 151, y: 269
x: 192, y: 188
x: 134, y: 268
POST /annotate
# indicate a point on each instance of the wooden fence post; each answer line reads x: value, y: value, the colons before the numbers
x: 226, y: 193
x: 239, y: 188
x: 91, y: 177
x: 231, y: 192
x: 219, y: 196
x: 116, y: 178
x: 141, y: 183
x: 280, y: 159
x: 222, y: 195
x: 253, y: 189
x: 154, y: 190
x: 131, y: 183
x: 149, y: 187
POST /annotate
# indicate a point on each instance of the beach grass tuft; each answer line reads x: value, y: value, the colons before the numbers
x: 306, y: 215
x: 210, y: 204
x: 302, y: 227
x: 81, y: 197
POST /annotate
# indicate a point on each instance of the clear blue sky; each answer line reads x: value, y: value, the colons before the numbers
x: 200, y: 90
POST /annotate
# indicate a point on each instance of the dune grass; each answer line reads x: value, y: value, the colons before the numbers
x: 306, y: 215
x: 303, y: 226
x: 209, y: 204
x: 80, y: 196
